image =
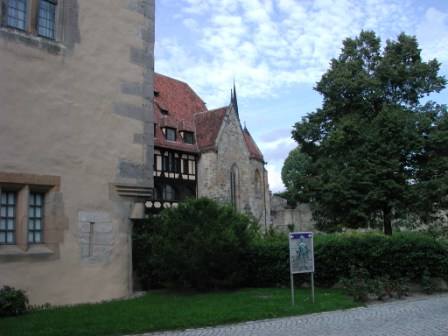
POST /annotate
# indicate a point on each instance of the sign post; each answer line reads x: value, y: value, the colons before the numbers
x: 301, y: 257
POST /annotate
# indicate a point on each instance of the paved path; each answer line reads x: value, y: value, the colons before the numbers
x: 410, y: 317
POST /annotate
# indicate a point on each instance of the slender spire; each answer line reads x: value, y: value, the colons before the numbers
x: 233, y: 99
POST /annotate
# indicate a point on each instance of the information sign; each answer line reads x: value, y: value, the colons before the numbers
x: 301, y: 252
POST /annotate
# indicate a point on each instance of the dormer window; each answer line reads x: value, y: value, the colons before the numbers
x: 170, y: 134
x: 188, y: 137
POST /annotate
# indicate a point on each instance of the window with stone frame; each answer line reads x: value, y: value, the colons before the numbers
x: 35, y: 17
x: 12, y: 206
x: 8, y: 217
x: 46, y: 21
x: 16, y: 11
x: 36, y: 218
x: 31, y: 215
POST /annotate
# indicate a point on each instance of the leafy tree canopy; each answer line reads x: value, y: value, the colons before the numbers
x: 295, y: 172
x: 375, y: 150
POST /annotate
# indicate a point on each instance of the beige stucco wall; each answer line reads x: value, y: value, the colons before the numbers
x: 214, y: 172
x: 76, y: 114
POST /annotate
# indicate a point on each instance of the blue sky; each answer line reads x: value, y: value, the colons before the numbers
x: 276, y: 50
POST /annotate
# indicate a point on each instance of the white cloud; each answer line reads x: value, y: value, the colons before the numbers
x: 191, y: 24
x: 433, y: 34
x: 274, y: 178
x: 271, y: 47
x: 277, y: 151
x: 268, y: 44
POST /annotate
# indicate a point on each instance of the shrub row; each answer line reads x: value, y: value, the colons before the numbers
x: 403, y: 255
x: 265, y: 262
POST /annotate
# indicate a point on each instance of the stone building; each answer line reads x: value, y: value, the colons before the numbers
x: 76, y: 128
x: 200, y: 152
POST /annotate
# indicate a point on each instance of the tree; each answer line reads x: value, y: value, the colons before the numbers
x: 374, y: 147
x: 295, y: 173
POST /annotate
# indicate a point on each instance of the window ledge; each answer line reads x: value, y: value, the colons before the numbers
x: 35, y: 249
x: 31, y: 40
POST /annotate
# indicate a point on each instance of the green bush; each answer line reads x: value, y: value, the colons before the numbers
x: 360, y: 286
x: 404, y: 255
x: 144, y: 234
x: 201, y: 244
x: 267, y: 263
x: 197, y: 245
x: 12, y: 301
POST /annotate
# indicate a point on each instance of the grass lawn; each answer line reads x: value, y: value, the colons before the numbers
x: 168, y: 310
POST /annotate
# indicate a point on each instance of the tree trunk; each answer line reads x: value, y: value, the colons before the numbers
x: 387, y: 215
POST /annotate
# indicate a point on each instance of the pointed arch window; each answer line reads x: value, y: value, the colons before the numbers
x: 234, y: 181
x: 257, y: 184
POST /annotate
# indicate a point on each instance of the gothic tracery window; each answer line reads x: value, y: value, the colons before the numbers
x: 234, y: 185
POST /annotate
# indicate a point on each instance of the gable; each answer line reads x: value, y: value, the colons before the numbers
x: 208, y: 125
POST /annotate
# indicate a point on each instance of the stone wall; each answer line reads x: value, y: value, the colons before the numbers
x: 76, y: 124
x: 283, y: 216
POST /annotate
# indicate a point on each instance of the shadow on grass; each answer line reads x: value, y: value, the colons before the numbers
x: 169, y: 310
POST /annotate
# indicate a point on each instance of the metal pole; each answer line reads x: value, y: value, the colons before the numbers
x: 312, y: 285
x: 292, y: 289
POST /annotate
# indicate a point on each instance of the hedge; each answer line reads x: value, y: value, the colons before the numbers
x: 403, y: 255
x: 265, y: 262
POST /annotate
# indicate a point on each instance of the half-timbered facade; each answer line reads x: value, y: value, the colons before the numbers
x: 200, y: 152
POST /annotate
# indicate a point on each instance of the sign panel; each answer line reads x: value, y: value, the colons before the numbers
x: 301, y: 252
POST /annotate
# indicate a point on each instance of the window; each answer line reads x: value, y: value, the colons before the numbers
x: 171, y: 134
x: 234, y: 185
x: 185, y: 166
x: 169, y: 194
x: 8, y: 218
x: 169, y: 162
x: 16, y: 13
x: 46, y: 19
x: 188, y: 193
x: 36, y: 17
x: 35, y: 218
x: 9, y: 214
x: 31, y: 213
x: 257, y: 183
x: 188, y: 138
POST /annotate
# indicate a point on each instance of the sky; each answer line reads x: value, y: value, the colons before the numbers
x: 276, y: 50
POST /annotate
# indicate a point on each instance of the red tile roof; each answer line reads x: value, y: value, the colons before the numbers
x: 208, y: 125
x: 252, y: 146
x: 177, y: 98
x: 177, y: 106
